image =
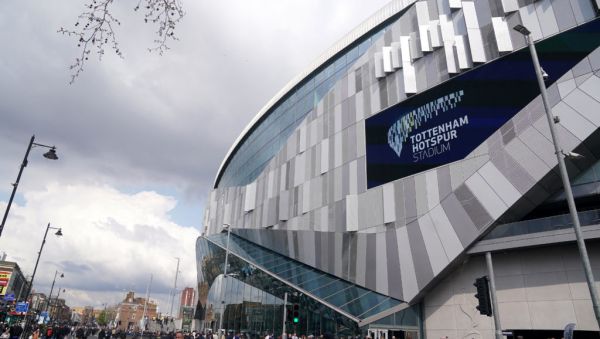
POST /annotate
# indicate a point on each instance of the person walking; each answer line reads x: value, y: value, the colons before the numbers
x: 15, y: 331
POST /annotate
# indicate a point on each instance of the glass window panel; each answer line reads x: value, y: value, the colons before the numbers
x: 313, y: 284
x: 290, y: 274
x: 273, y: 264
x: 359, y: 305
x: 380, y: 308
x: 330, y: 289
x: 344, y: 296
x: 352, y: 55
x: 282, y: 268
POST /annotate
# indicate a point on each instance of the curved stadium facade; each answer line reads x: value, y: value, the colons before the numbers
x: 365, y: 193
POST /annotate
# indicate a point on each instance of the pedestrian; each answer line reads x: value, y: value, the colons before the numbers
x: 102, y: 333
x: 15, y: 331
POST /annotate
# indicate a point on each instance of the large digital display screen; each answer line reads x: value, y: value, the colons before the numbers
x: 447, y: 122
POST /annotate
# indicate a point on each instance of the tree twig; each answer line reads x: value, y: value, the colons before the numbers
x: 94, y: 28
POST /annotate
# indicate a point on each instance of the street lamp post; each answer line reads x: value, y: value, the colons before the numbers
x: 56, y: 304
x: 228, y: 228
x: 51, y: 154
x: 58, y: 233
x: 563, y: 172
x: 62, y: 275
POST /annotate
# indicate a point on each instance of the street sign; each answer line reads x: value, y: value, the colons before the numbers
x: 9, y: 297
x: 22, y: 307
x: 44, y: 314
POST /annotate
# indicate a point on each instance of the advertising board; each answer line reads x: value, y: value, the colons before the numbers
x: 4, y: 280
x: 449, y: 121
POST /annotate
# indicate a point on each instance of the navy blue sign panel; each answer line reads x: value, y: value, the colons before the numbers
x: 447, y: 122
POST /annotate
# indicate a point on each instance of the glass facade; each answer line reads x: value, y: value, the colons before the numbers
x: 270, y: 134
x: 251, y: 301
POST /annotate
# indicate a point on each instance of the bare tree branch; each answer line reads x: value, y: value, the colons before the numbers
x: 94, y: 28
x: 166, y: 13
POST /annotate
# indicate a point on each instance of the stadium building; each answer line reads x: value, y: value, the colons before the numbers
x: 363, y: 197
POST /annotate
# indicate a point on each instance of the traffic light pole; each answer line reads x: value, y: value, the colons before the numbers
x: 283, y: 335
x: 495, y: 310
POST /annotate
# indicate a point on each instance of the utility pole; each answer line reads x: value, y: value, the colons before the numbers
x: 283, y: 334
x: 495, y: 310
x: 560, y: 155
x: 146, y: 303
x: 174, y: 286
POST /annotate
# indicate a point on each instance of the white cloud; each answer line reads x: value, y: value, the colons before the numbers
x: 112, y: 241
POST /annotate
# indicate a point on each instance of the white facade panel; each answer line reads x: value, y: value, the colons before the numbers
x: 502, y: 34
x: 352, y: 213
x: 303, y: 138
x: 378, y: 60
x: 381, y: 263
x: 462, y: 52
x: 573, y: 121
x: 433, y: 244
x: 435, y: 33
x: 455, y: 4
x: 387, y: 59
x: 396, y: 55
x: 486, y: 196
x: 410, y: 288
x: 510, y: 6
x: 250, y: 199
x: 337, y: 155
x: 452, y: 245
x: 433, y: 191
x: 423, y: 22
x: 584, y: 103
x: 284, y: 203
x: 546, y: 17
x: 282, y: 177
x: 448, y: 38
x: 499, y: 183
x: 299, y: 169
x: 530, y: 20
x: 410, y: 77
x: 389, y: 203
x: 353, y: 177
x: 306, y: 197
x: 324, y: 156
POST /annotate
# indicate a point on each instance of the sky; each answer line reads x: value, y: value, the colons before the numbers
x: 139, y: 138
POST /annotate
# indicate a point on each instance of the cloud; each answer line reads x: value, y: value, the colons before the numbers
x: 112, y: 241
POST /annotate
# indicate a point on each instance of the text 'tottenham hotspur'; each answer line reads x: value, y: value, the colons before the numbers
x: 432, y: 141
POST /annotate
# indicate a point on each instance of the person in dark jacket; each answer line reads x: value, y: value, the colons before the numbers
x: 15, y: 331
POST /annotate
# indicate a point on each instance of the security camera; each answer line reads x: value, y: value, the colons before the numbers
x: 545, y: 75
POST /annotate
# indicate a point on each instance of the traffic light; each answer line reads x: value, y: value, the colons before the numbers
x: 296, y: 313
x: 483, y: 296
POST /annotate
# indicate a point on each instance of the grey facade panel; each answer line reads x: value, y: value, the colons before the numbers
x: 462, y: 223
x: 371, y: 262
x: 393, y: 264
x: 423, y: 270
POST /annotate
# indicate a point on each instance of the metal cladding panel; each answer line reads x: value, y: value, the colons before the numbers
x: 502, y: 35
x: 250, y: 201
x: 408, y: 70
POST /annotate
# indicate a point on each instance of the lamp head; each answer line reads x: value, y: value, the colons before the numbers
x: 51, y: 154
x: 62, y: 275
x: 522, y: 29
x: 59, y: 232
